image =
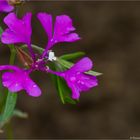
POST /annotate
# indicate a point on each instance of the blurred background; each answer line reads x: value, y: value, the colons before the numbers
x: 110, y: 34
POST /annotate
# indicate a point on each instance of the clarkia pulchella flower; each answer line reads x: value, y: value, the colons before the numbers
x: 76, y: 79
x: 18, y: 80
x: 20, y: 31
x: 63, y: 30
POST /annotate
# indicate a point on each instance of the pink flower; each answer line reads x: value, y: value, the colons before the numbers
x: 63, y: 29
x: 76, y: 78
x: 18, y: 31
x: 19, y: 80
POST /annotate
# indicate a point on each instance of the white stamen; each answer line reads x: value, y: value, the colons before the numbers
x: 51, y: 56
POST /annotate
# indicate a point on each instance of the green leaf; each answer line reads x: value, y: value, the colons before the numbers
x: 70, y: 100
x: 9, y: 107
x: 60, y: 89
x: 72, y: 56
x: 64, y: 63
x: 35, y: 47
x: 63, y: 90
x: 11, y: 97
x: 2, y: 96
x: 68, y: 64
x: 1, y: 30
x: 20, y: 114
x: 94, y: 73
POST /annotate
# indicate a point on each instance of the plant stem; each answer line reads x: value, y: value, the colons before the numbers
x: 35, y: 47
x: 13, y: 54
x: 11, y: 97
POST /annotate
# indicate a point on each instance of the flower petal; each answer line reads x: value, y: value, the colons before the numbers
x: 12, y: 81
x: 75, y: 92
x: 85, y: 64
x: 20, y: 29
x: 5, y: 7
x: 12, y: 22
x: 63, y: 25
x: 46, y: 21
x: 87, y: 82
x: 31, y: 88
x: 63, y: 28
x: 10, y: 37
x: 19, y: 80
x: 68, y: 38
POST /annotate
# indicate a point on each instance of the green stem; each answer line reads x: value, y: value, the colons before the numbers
x: 13, y: 54
x: 11, y: 97
x: 9, y: 131
x: 35, y: 47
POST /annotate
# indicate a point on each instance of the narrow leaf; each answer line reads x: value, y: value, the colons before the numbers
x: 9, y: 107
x: 72, y: 56
x: 64, y: 92
x: 61, y: 86
x: 64, y: 63
x: 60, y: 90
x: 20, y: 114
x: 11, y: 97
x: 94, y: 73
x: 1, y: 30
x: 34, y: 47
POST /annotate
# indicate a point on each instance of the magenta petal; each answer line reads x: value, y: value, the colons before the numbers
x: 86, y: 82
x: 9, y: 67
x: 46, y: 21
x: 75, y: 91
x: 19, y: 80
x: 63, y: 25
x: 10, y: 37
x: 31, y: 88
x: 5, y: 7
x: 10, y: 81
x: 19, y: 30
x: 63, y: 28
x: 79, y: 82
x: 90, y: 81
x: 13, y: 22
x: 85, y: 64
x: 68, y: 38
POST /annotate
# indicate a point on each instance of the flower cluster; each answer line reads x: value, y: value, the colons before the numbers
x: 20, y: 31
